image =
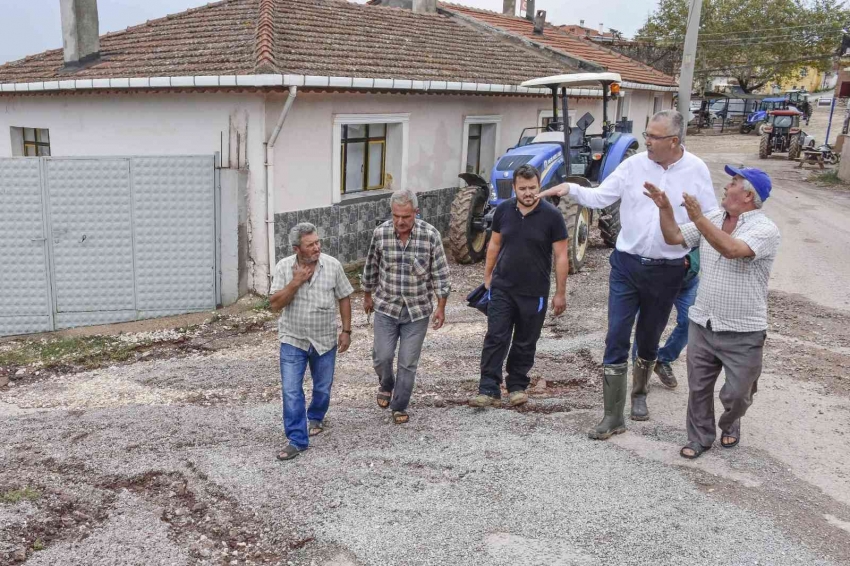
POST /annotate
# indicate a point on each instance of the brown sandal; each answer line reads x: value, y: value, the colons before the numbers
x: 384, y: 399
x: 400, y: 417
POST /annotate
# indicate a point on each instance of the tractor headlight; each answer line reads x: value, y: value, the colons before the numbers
x: 492, y: 191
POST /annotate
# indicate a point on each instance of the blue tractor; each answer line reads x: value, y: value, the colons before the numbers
x: 758, y: 118
x: 591, y: 159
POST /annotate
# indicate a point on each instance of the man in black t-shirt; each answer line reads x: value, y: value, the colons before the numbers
x: 517, y: 275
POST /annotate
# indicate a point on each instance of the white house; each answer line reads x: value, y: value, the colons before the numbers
x: 317, y: 109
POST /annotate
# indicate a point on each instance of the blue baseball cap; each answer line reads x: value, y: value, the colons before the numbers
x: 757, y: 178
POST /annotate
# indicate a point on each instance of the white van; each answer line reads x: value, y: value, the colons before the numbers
x: 736, y: 109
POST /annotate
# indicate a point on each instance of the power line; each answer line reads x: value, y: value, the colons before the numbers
x: 769, y: 64
x: 810, y: 26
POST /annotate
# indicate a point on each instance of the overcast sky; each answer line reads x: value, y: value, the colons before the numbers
x: 32, y: 26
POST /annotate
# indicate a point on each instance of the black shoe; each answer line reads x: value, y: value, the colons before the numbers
x: 289, y: 453
x: 664, y: 371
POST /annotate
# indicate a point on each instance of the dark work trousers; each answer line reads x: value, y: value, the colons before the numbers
x: 739, y: 354
x: 639, y: 285
x: 510, y: 316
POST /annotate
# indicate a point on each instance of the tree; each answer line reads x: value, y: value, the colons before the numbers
x: 756, y: 42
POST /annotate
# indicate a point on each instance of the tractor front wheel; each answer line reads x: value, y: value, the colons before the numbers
x: 764, y: 146
x: 794, y: 148
x: 577, y: 219
x: 746, y: 128
x: 467, y: 234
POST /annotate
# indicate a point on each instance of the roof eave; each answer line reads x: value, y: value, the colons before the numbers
x: 275, y: 80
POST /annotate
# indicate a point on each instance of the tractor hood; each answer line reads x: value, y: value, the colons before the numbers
x: 544, y: 156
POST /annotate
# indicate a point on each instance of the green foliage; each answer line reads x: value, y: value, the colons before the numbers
x: 828, y: 177
x: 18, y: 495
x: 756, y: 42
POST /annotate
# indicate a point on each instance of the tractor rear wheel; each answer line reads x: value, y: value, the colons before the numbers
x: 794, y: 148
x: 467, y: 238
x: 577, y: 219
x: 609, y: 220
x: 764, y: 146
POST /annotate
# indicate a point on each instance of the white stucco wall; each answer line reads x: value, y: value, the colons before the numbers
x: 128, y: 124
x: 304, y: 153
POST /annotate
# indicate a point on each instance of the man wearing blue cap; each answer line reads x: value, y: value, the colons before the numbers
x: 728, y: 327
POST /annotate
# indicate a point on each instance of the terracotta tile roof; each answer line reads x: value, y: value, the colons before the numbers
x: 555, y: 38
x: 301, y: 37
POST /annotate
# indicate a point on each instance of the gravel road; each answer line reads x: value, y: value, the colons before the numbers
x: 171, y: 461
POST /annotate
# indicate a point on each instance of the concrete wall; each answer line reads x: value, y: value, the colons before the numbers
x: 157, y: 124
x: 234, y: 235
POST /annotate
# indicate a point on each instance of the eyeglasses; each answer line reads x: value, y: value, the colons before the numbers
x: 651, y: 137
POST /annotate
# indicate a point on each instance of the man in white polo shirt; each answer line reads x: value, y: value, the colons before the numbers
x: 646, y: 272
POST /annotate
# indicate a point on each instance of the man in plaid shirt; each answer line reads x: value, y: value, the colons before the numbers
x: 405, y: 266
x: 729, y: 318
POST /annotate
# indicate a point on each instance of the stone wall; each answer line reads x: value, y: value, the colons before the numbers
x: 346, y: 228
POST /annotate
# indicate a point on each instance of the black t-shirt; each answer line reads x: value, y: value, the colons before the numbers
x: 524, y: 266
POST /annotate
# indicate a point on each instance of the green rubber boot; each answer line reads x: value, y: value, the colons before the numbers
x: 614, y: 394
x: 641, y: 370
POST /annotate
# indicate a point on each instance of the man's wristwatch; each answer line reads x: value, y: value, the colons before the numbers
x: 346, y: 332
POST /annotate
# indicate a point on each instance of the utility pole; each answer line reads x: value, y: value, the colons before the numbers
x: 686, y: 75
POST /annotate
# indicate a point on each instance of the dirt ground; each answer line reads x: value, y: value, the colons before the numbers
x: 164, y: 454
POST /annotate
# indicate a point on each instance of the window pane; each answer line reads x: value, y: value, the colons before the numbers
x: 29, y: 134
x: 354, y: 167
x: 43, y: 151
x: 376, y: 165
x: 377, y: 130
x: 29, y: 150
x: 43, y: 135
x: 356, y: 131
x: 473, y: 156
x: 475, y: 130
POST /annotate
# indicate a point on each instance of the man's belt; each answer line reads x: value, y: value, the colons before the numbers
x: 652, y: 261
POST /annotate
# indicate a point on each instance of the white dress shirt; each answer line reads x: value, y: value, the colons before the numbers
x: 639, y: 216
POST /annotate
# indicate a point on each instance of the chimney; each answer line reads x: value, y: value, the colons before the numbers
x: 601, y: 29
x: 581, y: 23
x: 80, y: 33
x: 539, y: 22
x: 529, y: 10
x: 425, y: 6
x: 509, y: 7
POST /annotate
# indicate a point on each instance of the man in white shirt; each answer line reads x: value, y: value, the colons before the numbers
x: 646, y: 272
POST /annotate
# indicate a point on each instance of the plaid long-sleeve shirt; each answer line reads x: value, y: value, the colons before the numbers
x: 399, y: 275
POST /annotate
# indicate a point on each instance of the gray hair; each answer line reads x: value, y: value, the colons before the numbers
x: 403, y: 197
x: 675, y: 120
x: 300, y: 230
x: 751, y: 189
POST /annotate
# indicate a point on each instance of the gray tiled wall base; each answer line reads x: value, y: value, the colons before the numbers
x: 346, y: 228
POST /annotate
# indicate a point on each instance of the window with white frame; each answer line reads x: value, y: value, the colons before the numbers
x: 30, y: 142
x: 370, y: 153
x: 481, y: 141
x: 623, y: 106
x: 546, y: 117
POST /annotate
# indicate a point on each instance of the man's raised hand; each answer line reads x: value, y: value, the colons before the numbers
x: 302, y: 273
x: 693, y: 207
x: 658, y: 196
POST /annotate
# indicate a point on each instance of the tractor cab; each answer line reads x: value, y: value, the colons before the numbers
x: 781, y: 133
x: 561, y: 152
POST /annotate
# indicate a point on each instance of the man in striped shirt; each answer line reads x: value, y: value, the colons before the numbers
x: 728, y: 327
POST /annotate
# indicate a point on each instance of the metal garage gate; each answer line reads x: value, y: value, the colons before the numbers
x: 97, y: 240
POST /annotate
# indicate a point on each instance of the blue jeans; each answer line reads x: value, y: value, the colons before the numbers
x: 649, y: 289
x: 678, y: 339
x: 293, y: 365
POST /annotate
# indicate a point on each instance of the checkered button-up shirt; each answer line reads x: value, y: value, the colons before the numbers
x: 399, y: 274
x: 310, y: 319
x: 733, y: 292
